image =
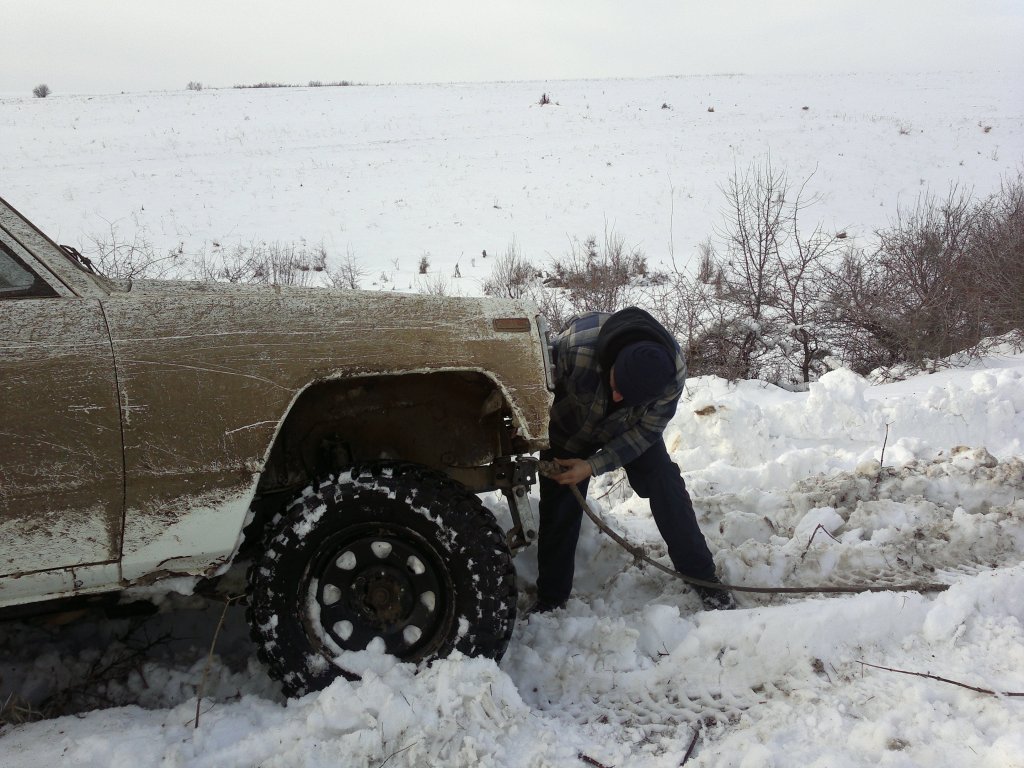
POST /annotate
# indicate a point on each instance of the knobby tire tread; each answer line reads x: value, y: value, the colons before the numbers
x: 275, y: 612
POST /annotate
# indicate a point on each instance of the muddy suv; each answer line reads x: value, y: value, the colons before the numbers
x: 156, y: 433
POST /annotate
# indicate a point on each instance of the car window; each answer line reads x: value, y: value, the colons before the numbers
x: 17, y: 280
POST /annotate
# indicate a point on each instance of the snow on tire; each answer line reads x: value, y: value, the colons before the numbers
x: 391, y: 558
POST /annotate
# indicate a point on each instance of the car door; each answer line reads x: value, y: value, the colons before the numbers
x: 61, y: 461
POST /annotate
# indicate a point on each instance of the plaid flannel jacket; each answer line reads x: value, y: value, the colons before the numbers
x: 581, y: 424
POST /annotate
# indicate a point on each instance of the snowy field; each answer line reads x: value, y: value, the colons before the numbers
x: 392, y: 173
x: 846, y: 484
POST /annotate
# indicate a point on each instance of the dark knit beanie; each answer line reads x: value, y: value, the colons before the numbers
x: 642, y: 371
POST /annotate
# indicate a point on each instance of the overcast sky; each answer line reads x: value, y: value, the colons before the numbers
x: 100, y: 46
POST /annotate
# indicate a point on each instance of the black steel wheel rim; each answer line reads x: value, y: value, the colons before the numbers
x: 386, y: 582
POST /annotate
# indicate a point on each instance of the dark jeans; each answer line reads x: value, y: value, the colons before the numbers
x: 653, y: 475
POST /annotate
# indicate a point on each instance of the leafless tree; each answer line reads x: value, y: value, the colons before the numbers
x: 743, y: 266
x: 767, y: 272
x: 800, y: 288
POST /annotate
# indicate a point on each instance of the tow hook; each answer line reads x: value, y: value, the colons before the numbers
x: 514, y: 477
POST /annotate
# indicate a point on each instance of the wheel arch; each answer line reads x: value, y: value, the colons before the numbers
x: 450, y: 420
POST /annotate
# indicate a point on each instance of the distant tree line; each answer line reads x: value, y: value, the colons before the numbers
x: 196, y: 85
x: 310, y: 84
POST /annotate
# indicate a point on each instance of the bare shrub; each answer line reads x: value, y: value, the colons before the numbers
x: 512, y: 276
x: 544, y: 99
x: 861, y: 327
x: 15, y: 710
x: 424, y: 263
x: 925, y: 256
x: 999, y: 257
x: 434, y: 285
x: 600, y: 278
x: 774, y: 298
x: 266, y: 263
x: 515, y: 277
x: 259, y: 262
x: 348, y: 274
x: 916, y: 299
x: 194, y: 85
x: 948, y: 273
x: 115, y: 256
x: 41, y: 91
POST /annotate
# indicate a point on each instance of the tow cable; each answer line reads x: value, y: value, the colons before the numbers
x: 550, y: 469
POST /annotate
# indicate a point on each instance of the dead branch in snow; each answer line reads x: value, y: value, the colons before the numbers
x: 881, y: 459
x: 693, y: 743
x: 929, y: 676
x: 397, y: 752
x: 590, y: 761
x: 617, y: 484
x: 818, y: 527
x: 209, y: 658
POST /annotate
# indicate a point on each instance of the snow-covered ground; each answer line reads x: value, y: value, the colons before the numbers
x: 632, y: 670
x: 788, y: 486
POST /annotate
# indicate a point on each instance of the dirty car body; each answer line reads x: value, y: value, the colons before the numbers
x: 145, y: 424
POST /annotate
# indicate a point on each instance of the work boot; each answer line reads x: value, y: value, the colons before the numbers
x: 715, y: 599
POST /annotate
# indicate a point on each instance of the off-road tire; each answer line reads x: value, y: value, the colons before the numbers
x: 394, y: 551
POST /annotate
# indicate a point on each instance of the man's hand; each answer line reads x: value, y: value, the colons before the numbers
x: 574, y: 471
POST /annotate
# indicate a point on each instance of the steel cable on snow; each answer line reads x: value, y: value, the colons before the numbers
x: 549, y: 469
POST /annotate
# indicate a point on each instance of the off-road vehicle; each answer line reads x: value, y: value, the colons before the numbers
x: 157, y: 432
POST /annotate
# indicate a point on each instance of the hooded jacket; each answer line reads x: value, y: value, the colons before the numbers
x: 584, y: 420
